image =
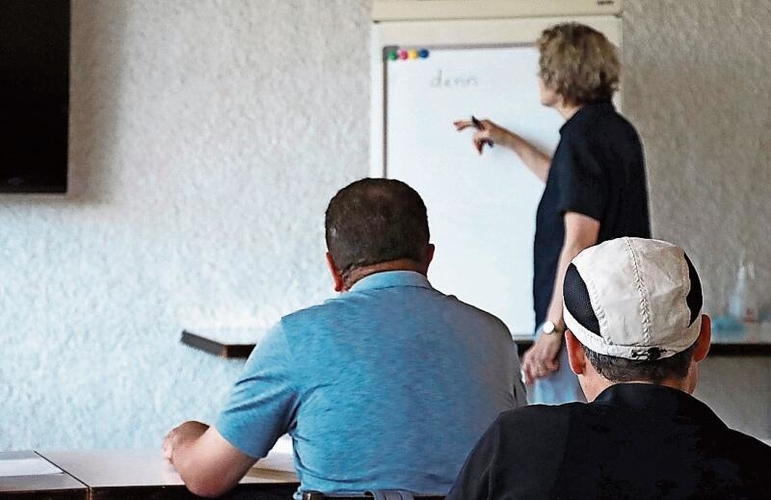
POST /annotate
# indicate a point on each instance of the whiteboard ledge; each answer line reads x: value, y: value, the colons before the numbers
x: 422, y: 10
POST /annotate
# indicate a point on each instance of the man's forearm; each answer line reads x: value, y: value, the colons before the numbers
x: 179, y: 447
x: 207, y: 463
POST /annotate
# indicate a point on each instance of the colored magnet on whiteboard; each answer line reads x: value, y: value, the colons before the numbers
x: 392, y: 56
x: 403, y: 54
x: 423, y: 53
x: 412, y: 54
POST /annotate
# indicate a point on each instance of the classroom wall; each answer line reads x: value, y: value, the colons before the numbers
x: 697, y: 84
x: 206, y: 139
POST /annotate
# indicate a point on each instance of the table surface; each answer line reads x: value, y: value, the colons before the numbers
x: 127, y: 474
x: 238, y: 343
x: 59, y: 485
x: 121, y: 468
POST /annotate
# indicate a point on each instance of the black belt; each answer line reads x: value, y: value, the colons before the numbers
x: 387, y: 495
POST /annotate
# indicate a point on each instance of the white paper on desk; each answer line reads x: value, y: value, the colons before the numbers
x: 280, y: 457
x: 27, y: 467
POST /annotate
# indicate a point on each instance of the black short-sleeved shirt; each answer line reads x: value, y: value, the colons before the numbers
x: 634, y: 441
x: 598, y: 170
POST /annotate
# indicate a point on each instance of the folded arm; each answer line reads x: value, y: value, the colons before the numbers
x: 208, y: 464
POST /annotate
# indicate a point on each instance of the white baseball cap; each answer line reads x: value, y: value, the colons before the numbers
x: 633, y: 298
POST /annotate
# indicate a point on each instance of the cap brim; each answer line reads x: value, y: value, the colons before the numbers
x: 598, y: 344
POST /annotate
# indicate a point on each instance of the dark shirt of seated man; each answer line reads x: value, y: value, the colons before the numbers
x: 635, y: 337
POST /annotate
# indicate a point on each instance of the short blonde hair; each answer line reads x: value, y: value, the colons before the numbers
x: 578, y: 63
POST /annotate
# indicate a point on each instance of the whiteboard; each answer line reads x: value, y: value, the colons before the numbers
x: 481, y: 209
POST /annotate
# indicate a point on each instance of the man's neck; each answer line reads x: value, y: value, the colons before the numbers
x: 392, y: 265
x: 593, y: 390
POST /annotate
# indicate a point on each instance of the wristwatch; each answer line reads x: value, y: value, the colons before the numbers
x: 549, y: 328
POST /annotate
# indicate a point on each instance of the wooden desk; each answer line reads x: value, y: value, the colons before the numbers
x: 229, y: 344
x: 238, y: 344
x: 58, y: 486
x: 121, y: 474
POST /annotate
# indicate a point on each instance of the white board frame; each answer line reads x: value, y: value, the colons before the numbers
x: 456, y: 33
x: 460, y: 34
x: 414, y: 10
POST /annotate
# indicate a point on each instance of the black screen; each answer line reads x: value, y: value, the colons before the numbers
x: 34, y: 95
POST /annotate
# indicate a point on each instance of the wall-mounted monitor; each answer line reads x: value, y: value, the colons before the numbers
x: 34, y: 95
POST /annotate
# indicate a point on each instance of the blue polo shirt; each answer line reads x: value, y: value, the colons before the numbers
x: 386, y: 386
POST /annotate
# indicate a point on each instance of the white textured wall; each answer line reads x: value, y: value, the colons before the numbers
x: 206, y: 139
x: 697, y: 82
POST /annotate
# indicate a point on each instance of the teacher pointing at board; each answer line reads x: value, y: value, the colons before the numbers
x: 595, y: 190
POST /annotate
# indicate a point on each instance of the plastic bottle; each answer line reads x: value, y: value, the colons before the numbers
x: 743, y: 304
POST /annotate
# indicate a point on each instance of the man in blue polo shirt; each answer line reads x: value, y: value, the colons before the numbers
x: 385, y: 387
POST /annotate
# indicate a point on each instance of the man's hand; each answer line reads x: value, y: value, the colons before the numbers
x: 182, y: 435
x: 542, y: 359
x: 207, y: 463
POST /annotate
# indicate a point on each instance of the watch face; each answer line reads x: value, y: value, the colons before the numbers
x: 548, y: 327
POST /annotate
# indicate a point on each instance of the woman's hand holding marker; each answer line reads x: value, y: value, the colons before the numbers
x: 486, y: 131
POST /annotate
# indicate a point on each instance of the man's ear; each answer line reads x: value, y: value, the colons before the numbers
x: 705, y: 337
x: 430, y: 249
x: 337, y: 277
x: 576, y: 354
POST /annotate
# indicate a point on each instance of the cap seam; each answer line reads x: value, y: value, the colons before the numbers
x: 599, y: 311
x: 642, y: 289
